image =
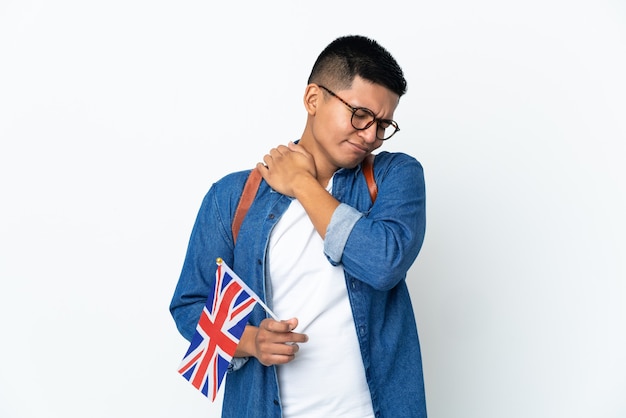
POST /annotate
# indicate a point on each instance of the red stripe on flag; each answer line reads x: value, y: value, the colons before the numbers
x: 242, y: 308
x: 215, y: 333
x: 216, y: 385
x: 190, y: 363
x: 200, y: 373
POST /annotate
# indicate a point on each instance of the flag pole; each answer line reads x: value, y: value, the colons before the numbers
x: 220, y: 262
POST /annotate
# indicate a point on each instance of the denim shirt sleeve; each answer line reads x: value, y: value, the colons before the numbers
x: 378, y: 245
x: 341, y: 224
x: 209, y: 237
x: 237, y: 363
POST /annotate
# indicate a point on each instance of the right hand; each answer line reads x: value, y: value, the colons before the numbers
x: 276, y: 343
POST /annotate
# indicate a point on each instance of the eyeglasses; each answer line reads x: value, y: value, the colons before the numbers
x: 363, y: 118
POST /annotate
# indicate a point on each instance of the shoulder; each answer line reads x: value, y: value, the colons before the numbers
x: 233, y: 180
x: 229, y: 186
x: 391, y: 161
x: 225, y: 192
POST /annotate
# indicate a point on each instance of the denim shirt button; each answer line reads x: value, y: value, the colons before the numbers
x: 271, y: 216
x: 276, y: 402
x: 353, y: 283
x: 259, y: 262
x: 362, y: 330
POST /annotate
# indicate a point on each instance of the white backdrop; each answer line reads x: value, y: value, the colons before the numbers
x: 116, y: 117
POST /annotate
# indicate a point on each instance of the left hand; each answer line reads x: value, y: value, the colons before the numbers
x: 285, y: 165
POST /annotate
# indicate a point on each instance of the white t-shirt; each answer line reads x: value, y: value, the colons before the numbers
x: 326, y: 378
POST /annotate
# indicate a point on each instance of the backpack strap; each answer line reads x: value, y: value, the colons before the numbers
x: 254, y: 180
x: 247, y: 197
x: 368, y: 172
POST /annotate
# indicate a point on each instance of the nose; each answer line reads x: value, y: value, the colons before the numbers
x: 369, y: 135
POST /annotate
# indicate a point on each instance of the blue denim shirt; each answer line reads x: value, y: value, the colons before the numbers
x: 376, y: 244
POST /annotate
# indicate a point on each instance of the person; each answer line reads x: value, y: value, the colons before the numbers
x: 322, y: 255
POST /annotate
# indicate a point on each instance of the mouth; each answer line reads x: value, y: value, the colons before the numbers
x: 359, y: 147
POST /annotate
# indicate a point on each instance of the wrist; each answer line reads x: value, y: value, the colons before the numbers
x: 303, y: 184
x: 247, y: 342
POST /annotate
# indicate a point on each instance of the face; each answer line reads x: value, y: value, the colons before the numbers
x: 332, y: 138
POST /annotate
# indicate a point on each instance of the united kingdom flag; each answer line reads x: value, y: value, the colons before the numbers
x: 219, y: 329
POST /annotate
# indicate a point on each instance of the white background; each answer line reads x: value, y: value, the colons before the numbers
x: 116, y: 117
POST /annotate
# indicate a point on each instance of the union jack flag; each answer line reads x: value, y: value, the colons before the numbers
x: 219, y: 329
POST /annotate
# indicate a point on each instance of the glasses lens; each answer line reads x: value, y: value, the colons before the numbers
x: 386, y: 129
x: 362, y: 118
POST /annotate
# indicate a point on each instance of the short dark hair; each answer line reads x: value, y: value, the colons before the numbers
x: 350, y: 56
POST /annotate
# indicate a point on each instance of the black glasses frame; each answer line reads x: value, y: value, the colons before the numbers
x: 353, y: 109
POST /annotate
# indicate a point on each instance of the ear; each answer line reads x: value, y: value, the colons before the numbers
x: 312, y: 98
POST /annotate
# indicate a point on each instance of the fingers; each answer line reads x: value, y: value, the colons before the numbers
x: 283, y: 167
x: 275, y: 154
x: 276, y: 343
x: 269, y: 158
x: 281, y: 331
x: 292, y: 146
x: 280, y: 151
x: 286, y: 325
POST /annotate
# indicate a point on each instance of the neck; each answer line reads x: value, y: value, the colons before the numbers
x: 324, y: 169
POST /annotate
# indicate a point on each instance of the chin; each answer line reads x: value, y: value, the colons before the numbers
x: 351, y: 163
